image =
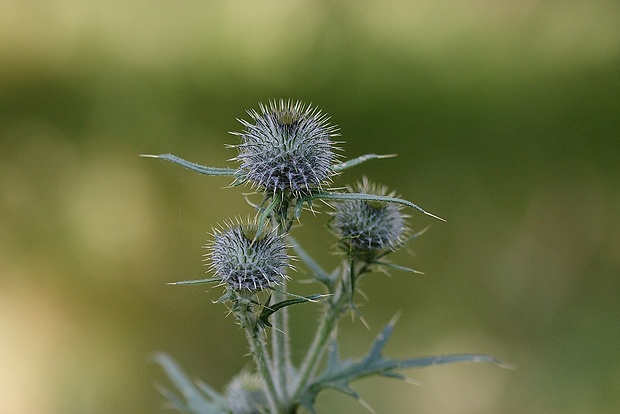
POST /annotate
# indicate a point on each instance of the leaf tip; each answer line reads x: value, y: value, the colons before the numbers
x: 505, y: 365
x: 435, y: 217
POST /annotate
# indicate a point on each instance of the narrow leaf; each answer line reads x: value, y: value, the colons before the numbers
x: 299, y: 205
x: 204, y: 387
x: 265, y: 214
x: 395, y: 375
x: 271, y: 309
x: 196, y: 282
x: 196, y: 402
x: 356, y: 161
x: 372, y: 197
x: 451, y: 359
x: 173, y: 399
x: 193, y: 166
x: 377, y: 347
x: 398, y: 267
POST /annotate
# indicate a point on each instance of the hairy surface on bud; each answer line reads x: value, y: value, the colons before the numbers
x: 245, y: 394
x: 243, y: 260
x: 287, y: 147
x: 367, y: 227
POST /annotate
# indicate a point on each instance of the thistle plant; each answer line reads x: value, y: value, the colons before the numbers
x: 288, y: 155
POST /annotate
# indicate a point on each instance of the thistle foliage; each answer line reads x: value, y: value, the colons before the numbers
x: 287, y: 155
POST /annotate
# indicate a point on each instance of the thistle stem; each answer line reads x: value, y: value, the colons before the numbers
x: 281, y: 352
x: 261, y: 358
x: 329, y: 324
x: 280, y: 349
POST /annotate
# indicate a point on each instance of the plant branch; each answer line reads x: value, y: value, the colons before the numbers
x: 257, y: 346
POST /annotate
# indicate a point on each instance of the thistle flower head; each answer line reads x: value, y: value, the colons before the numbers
x: 246, y: 260
x: 369, y: 227
x: 245, y: 394
x: 286, y: 147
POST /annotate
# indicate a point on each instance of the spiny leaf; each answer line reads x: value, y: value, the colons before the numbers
x: 451, y: 359
x: 193, y: 166
x: 265, y: 214
x: 196, y: 401
x: 356, y: 161
x: 196, y: 282
x: 397, y: 267
x: 340, y: 373
x: 372, y: 197
x: 271, y: 309
x: 299, y: 205
x: 173, y: 399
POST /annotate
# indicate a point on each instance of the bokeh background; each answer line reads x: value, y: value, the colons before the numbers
x: 505, y: 116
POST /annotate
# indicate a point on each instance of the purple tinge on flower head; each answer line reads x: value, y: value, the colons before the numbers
x: 369, y: 227
x: 287, y: 147
x: 244, y: 260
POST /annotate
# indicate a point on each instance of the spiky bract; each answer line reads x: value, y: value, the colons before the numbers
x: 286, y: 148
x: 245, y: 260
x: 369, y: 227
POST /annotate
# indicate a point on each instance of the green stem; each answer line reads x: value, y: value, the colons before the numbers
x: 281, y: 352
x: 261, y: 358
x: 328, y: 324
x: 316, y: 350
x: 338, y: 305
x: 280, y: 348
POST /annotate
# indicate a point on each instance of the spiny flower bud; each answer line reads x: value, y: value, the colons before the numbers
x: 245, y: 260
x: 245, y: 394
x: 369, y: 227
x: 287, y: 148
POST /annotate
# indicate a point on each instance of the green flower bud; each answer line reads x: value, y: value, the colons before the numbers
x: 245, y: 394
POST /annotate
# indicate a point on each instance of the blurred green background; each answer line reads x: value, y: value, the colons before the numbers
x: 506, y: 119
